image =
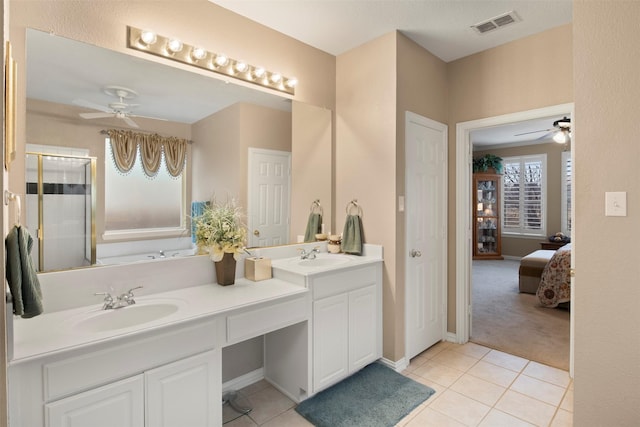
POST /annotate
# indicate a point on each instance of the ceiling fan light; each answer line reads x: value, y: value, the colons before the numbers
x: 148, y: 37
x: 174, y: 46
x: 561, y: 137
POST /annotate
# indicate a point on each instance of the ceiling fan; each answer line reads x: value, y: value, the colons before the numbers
x: 120, y: 109
x: 560, y: 132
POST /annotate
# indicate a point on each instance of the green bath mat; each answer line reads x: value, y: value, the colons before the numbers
x: 376, y: 396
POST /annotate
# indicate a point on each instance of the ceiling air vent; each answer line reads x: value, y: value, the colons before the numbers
x: 496, y: 22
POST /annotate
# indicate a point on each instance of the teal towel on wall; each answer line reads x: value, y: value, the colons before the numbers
x: 21, y: 274
x: 314, y: 226
x: 352, y: 235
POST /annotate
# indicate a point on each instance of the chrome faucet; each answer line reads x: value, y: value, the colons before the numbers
x: 161, y: 253
x: 123, y: 300
x: 309, y: 255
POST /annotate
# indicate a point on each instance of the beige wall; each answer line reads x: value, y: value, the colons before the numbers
x: 422, y: 89
x: 607, y: 318
x: 519, y: 247
x: 401, y: 76
x: 313, y: 153
x: 530, y: 73
x: 221, y: 144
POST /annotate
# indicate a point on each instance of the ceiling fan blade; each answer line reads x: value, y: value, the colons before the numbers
x: 95, y: 115
x: 535, y: 131
x: 130, y: 122
x: 88, y: 104
x: 147, y: 117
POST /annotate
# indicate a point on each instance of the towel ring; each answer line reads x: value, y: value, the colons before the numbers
x: 315, y: 207
x: 354, y: 204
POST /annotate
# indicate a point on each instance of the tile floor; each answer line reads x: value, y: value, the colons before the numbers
x: 475, y: 386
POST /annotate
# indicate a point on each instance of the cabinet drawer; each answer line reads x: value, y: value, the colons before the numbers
x: 259, y: 321
x: 344, y: 281
x: 111, y: 363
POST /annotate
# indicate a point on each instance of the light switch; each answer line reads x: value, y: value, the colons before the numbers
x: 615, y: 203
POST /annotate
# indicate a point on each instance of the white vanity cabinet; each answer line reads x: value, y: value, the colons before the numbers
x: 170, y: 377
x: 347, y: 322
x: 118, y: 404
x: 182, y: 393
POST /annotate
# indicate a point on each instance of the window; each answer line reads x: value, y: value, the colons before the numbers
x: 524, y: 195
x: 135, y: 203
x: 566, y: 192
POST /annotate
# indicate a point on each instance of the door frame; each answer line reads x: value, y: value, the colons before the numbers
x: 410, y: 116
x: 464, y: 157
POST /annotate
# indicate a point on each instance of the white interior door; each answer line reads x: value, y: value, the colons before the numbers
x: 426, y: 228
x: 269, y: 197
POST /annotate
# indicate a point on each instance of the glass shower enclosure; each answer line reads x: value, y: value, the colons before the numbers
x: 60, y: 210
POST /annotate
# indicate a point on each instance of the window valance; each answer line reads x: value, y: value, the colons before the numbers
x: 125, y: 144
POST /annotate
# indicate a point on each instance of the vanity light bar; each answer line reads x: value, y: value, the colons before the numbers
x: 171, y: 48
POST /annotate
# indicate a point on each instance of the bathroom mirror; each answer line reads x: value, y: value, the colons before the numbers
x: 67, y: 77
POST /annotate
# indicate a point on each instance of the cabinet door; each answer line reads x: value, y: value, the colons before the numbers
x: 185, y: 393
x: 118, y: 404
x: 330, y: 340
x: 363, y: 328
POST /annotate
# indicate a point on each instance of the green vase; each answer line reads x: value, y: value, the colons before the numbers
x: 226, y: 270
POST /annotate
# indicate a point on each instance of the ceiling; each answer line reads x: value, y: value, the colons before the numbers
x: 443, y: 27
x: 334, y: 26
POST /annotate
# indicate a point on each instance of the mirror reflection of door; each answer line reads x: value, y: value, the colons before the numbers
x: 269, y: 197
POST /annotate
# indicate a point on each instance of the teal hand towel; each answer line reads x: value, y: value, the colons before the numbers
x: 352, y: 235
x: 314, y: 226
x: 21, y: 274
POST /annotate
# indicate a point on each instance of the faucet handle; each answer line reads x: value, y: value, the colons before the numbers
x: 130, y: 291
x: 108, y: 300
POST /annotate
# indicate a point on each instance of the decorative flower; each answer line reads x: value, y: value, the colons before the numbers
x: 220, y: 230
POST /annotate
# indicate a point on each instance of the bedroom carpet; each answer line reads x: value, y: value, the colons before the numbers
x: 375, y: 396
x: 515, y: 323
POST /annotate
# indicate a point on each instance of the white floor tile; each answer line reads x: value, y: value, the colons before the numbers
x: 438, y: 373
x: 506, y: 360
x: 461, y: 408
x: 538, y: 389
x: 547, y: 373
x: 493, y: 373
x: 430, y: 418
x: 526, y: 408
x: 497, y: 418
x: 478, y: 389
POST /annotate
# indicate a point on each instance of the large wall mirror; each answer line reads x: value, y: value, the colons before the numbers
x: 76, y: 91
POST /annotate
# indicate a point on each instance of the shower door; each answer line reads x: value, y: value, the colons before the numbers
x: 60, y: 205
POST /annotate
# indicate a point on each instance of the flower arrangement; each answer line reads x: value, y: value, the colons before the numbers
x: 219, y: 229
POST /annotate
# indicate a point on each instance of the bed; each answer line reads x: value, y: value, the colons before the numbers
x: 555, y: 283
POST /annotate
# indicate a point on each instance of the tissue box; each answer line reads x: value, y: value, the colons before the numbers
x: 257, y: 269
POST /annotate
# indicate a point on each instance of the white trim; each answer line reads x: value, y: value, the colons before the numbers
x: 398, y: 366
x: 463, y: 205
x: 244, y: 380
x: 566, y: 155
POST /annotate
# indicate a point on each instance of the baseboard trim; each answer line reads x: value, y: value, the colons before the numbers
x: 398, y: 366
x: 244, y: 380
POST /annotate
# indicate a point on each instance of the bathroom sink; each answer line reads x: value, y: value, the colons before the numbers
x: 137, y: 314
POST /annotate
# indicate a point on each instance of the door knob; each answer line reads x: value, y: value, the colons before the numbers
x: 415, y: 254
x: 256, y: 232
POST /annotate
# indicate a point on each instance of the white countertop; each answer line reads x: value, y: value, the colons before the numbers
x: 51, y: 333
